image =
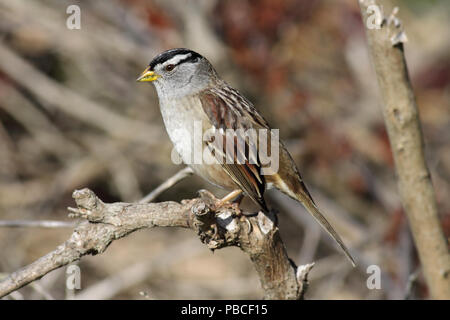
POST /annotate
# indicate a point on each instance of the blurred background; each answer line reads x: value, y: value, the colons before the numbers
x: 72, y: 116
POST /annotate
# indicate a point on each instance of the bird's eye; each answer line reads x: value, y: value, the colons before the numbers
x: 170, y: 67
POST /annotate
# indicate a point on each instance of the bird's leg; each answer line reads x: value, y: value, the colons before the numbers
x: 235, y: 194
x: 238, y: 199
x: 232, y: 199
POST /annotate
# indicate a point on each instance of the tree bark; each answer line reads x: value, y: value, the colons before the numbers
x: 217, y: 227
x: 401, y: 116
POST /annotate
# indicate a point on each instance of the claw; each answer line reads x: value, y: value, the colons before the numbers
x: 73, y: 212
x: 207, y: 196
x: 215, y: 235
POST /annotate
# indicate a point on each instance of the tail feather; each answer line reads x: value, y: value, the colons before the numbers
x: 314, y: 211
x: 303, y: 196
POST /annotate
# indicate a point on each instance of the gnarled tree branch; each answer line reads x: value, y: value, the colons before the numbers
x: 217, y: 227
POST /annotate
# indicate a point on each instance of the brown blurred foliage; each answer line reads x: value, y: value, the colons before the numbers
x: 303, y: 63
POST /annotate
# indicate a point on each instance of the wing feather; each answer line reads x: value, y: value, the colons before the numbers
x: 246, y: 174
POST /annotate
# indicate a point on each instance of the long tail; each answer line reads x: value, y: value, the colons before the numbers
x: 302, y: 195
x: 308, y: 203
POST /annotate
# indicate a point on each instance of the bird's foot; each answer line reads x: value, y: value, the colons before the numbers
x: 231, y: 200
x: 234, y: 197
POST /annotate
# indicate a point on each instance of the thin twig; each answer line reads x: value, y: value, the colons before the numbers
x: 36, y: 223
x: 412, y: 280
x: 39, y: 289
x: 180, y: 175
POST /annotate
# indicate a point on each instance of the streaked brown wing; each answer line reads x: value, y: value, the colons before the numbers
x: 246, y: 175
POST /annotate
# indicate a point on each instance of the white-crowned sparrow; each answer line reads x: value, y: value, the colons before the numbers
x: 191, y: 93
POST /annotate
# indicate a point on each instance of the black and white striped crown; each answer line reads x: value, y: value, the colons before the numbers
x: 175, y: 57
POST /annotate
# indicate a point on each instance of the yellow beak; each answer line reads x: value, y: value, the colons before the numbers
x: 147, y: 76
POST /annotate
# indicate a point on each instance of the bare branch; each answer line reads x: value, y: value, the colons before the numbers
x: 36, y: 223
x: 180, y: 175
x: 217, y: 227
x: 401, y: 116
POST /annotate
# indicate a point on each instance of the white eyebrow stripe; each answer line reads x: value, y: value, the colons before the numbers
x: 175, y: 60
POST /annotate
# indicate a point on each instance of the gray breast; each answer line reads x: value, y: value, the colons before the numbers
x: 185, y: 123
